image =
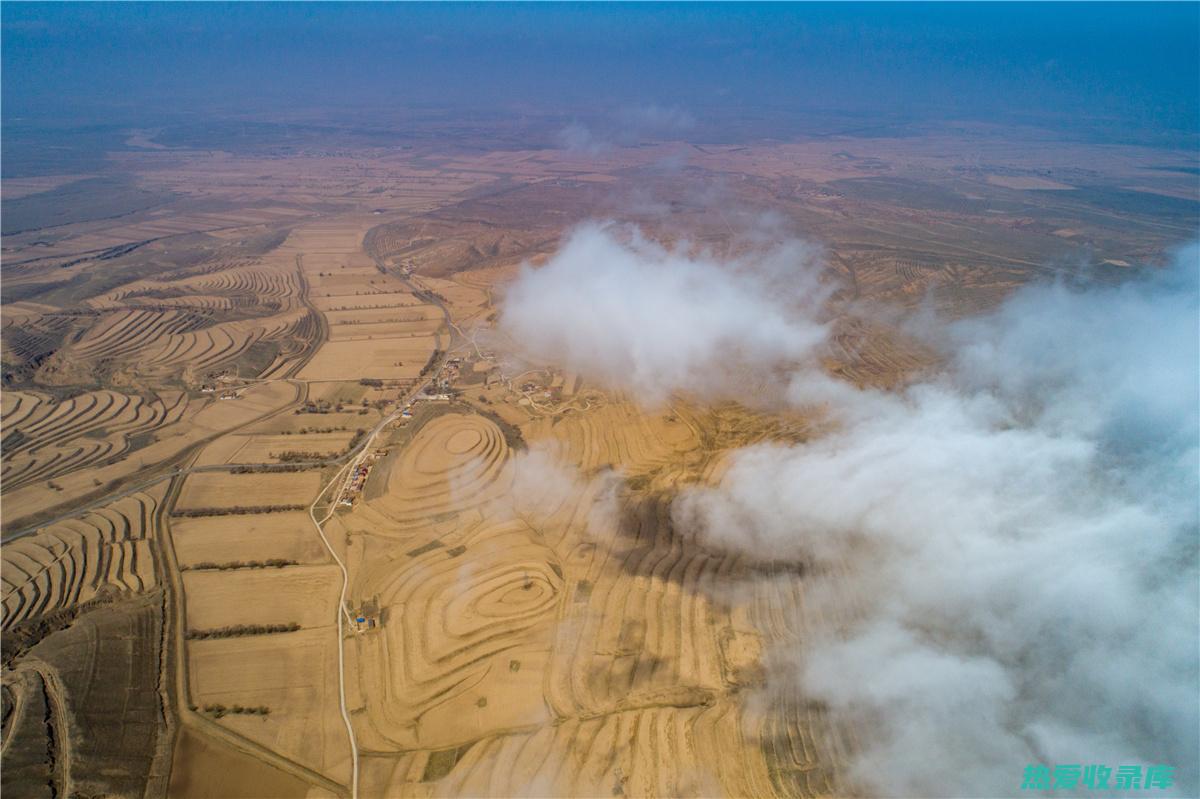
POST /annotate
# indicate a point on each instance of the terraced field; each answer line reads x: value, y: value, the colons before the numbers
x: 166, y: 340
x: 73, y: 562
x: 303, y: 333
x: 45, y: 438
x: 29, y: 334
x: 82, y: 625
x: 111, y: 386
x: 518, y: 624
x: 441, y: 247
x: 104, y: 457
x: 869, y: 355
x: 456, y: 463
x: 531, y: 623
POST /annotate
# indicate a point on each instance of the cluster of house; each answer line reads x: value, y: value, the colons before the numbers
x: 358, y: 478
x: 226, y: 394
x: 229, y: 391
x: 553, y: 391
x: 439, y: 387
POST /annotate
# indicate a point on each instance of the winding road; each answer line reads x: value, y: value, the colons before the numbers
x: 341, y: 480
x: 354, y: 458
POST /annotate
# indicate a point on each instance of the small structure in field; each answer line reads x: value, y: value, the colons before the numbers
x: 366, y: 617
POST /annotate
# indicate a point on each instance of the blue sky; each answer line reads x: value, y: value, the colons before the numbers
x: 1133, y: 64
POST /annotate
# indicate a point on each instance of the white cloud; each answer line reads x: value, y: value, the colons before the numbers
x: 632, y: 313
x: 1021, y: 539
x: 1015, y: 543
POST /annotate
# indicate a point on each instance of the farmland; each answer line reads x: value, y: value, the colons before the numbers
x: 283, y: 363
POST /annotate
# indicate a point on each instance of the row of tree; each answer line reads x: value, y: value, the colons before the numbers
x: 271, y: 563
x: 294, y: 455
x: 238, y: 630
x: 217, y: 710
x: 235, y: 510
x: 257, y: 468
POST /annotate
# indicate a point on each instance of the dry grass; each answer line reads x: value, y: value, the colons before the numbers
x: 204, y: 768
x: 224, y: 490
x: 223, y: 539
x: 295, y: 594
x: 253, y: 449
x: 382, y: 358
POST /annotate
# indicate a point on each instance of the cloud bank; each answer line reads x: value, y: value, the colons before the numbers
x: 1017, y: 539
x: 631, y: 313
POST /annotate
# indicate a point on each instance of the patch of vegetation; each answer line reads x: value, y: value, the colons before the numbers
x: 296, y: 455
x: 30, y: 744
x: 443, y: 761
x: 30, y: 346
x: 13, y: 439
x: 106, y: 658
x: 638, y: 482
x: 234, y: 510
x: 24, y: 635
x: 431, y: 364
x: 512, y: 434
x: 1131, y: 201
x: 272, y: 563
x: 358, y: 437
x: 239, y: 630
x: 258, y: 356
x: 217, y: 710
x: 421, y: 550
x: 79, y: 201
x: 26, y: 291
x: 140, y: 440
x: 266, y: 468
